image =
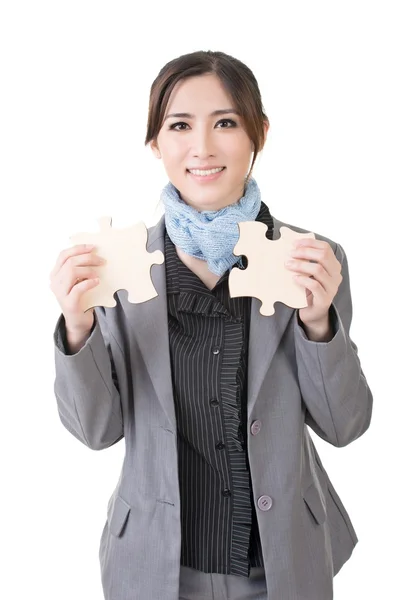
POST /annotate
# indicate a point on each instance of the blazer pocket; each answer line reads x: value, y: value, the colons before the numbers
x: 313, y: 501
x: 119, y: 516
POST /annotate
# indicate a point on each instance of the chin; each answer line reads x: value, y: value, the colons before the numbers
x: 206, y: 202
x: 213, y: 196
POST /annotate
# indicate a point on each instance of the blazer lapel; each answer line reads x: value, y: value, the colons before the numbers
x: 265, y: 336
x: 151, y: 329
x: 151, y: 332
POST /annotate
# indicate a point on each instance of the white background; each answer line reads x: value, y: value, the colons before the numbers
x: 75, y: 80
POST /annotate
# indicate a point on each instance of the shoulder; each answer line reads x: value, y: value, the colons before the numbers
x: 156, y: 234
x: 337, y: 249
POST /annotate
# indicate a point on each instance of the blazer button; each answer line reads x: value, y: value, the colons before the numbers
x: 215, y: 350
x: 220, y: 446
x: 226, y: 493
x: 255, y: 427
x: 264, y: 502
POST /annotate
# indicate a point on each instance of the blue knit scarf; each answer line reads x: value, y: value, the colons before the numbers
x: 210, y: 235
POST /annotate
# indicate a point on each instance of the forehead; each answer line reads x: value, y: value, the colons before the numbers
x: 199, y: 94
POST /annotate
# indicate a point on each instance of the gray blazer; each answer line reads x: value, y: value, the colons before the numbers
x: 119, y: 386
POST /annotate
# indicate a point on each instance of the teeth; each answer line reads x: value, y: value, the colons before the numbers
x: 204, y: 173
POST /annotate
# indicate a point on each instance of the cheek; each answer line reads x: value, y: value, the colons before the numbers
x: 172, y: 152
x: 238, y: 148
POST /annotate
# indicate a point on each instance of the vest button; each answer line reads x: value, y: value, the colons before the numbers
x: 264, y: 502
x: 255, y: 427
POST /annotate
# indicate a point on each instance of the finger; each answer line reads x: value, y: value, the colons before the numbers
x: 324, y: 256
x: 85, y: 260
x: 311, y: 269
x: 317, y: 290
x: 67, y: 279
x: 69, y: 253
x: 81, y: 287
x: 69, y: 270
x: 311, y: 243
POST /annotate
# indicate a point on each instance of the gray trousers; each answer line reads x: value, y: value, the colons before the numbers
x: 195, y: 585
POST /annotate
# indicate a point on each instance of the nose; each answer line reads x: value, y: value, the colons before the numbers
x: 202, y: 146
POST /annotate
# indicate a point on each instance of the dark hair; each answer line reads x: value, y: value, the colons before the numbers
x: 237, y: 79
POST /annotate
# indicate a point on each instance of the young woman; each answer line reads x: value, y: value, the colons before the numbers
x: 222, y: 493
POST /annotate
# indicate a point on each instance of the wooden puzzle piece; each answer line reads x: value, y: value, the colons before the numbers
x: 128, y: 264
x: 266, y: 276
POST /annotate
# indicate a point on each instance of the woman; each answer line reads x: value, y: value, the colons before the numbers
x: 222, y: 493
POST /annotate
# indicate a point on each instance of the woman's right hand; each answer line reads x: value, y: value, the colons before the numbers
x: 71, y: 277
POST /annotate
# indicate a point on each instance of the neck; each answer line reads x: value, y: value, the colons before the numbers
x: 217, y: 205
x: 210, y: 237
x: 199, y: 267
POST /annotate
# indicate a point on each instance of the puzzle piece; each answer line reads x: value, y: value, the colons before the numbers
x: 266, y: 276
x: 127, y: 267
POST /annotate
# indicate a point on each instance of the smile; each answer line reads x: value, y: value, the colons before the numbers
x: 205, y: 173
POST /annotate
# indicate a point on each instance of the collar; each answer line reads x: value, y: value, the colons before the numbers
x: 195, y: 297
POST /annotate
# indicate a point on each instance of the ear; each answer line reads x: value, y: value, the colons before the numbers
x: 266, y: 127
x: 155, y: 149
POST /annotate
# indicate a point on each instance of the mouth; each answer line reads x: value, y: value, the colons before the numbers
x: 206, y: 174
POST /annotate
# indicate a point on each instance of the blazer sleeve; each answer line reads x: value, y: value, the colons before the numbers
x: 332, y: 383
x: 86, y: 386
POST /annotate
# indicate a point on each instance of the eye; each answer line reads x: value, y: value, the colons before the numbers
x: 174, y: 126
x: 230, y: 121
x: 181, y: 126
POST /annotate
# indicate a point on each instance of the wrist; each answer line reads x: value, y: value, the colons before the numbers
x: 76, y: 341
x: 76, y: 338
x: 318, y: 331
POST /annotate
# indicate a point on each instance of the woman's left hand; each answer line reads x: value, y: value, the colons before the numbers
x: 321, y: 279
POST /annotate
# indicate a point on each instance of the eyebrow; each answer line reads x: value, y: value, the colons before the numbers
x: 216, y: 113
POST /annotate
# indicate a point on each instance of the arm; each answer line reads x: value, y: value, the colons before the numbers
x: 86, y: 386
x: 332, y: 383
